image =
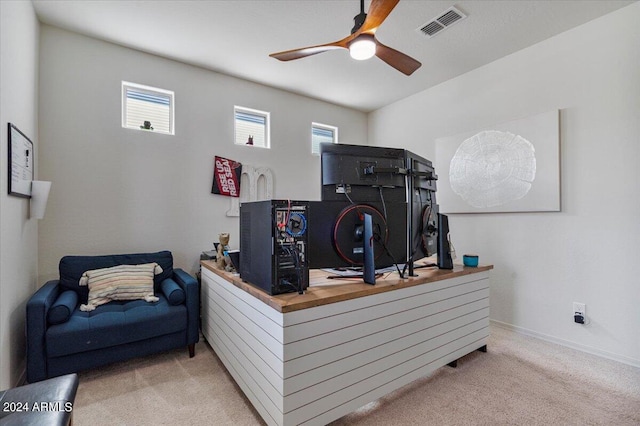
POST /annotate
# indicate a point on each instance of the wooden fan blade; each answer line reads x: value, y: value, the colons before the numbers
x: 377, y: 13
x: 303, y: 52
x: 403, y: 63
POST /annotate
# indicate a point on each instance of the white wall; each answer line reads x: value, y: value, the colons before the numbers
x: 19, y: 30
x: 117, y: 190
x: 588, y: 252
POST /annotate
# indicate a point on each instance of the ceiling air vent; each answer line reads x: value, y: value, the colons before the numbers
x: 446, y: 19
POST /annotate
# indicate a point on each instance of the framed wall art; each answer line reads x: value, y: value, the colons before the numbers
x: 21, y: 163
x: 508, y: 167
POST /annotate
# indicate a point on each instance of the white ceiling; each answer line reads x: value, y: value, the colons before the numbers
x: 236, y: 37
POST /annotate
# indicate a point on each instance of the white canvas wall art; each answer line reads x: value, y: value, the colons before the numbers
x: 509, y: 167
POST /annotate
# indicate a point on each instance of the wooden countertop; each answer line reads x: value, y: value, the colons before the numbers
x: 323, y: 290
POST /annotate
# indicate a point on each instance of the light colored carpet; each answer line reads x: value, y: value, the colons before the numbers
x: 519, y: 381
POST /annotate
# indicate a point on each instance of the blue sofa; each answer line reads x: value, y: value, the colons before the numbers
x: 62, y: 338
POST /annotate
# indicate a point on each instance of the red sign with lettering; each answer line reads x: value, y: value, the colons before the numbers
x: 226, y: 177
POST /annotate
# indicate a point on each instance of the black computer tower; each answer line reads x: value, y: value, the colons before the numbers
x: 274, y: 244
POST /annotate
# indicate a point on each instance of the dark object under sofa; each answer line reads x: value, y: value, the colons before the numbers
x: 49, y: 402
x: 63, y: 339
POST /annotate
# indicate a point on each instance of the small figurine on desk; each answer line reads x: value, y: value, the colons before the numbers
x: 222, y: 259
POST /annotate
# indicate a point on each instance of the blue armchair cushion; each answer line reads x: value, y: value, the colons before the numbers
x: 115, y: 323
x: 173, y: 292
x: 72, y: 267
x: 63, y: 307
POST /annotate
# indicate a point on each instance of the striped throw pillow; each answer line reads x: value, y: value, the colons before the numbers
x: 122, y: 282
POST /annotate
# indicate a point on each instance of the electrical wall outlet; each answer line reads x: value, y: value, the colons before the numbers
x: 579, y: 316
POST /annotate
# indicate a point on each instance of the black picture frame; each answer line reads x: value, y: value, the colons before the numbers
x: 21, y: 163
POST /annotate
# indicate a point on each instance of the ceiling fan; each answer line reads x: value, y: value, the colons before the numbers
x: 362, y: 43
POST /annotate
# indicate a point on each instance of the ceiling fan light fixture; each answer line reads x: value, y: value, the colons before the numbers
x: 361, y: 43
x: 362, y: 47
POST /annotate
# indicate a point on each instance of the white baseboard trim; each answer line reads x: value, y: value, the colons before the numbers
x: 573, y: 345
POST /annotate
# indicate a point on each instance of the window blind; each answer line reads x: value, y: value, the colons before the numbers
x: 146, y: 105
x: 250, y: 124
x: 320, y: 135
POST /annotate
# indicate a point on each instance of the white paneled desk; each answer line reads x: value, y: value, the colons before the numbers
x: 312, y: 358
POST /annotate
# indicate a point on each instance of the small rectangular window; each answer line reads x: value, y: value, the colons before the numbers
x: 147, y: 108
x: 322, y: 133
x: 251, y: 127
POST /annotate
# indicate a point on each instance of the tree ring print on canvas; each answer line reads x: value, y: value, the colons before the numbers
x: 492, y: 168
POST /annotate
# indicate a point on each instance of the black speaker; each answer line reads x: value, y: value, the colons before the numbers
x: 444, y: 248
x: 369, y: 267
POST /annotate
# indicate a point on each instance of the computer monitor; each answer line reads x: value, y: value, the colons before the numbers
x: 362, y: 173
x: 365, y: 174
x: 336, y: 236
